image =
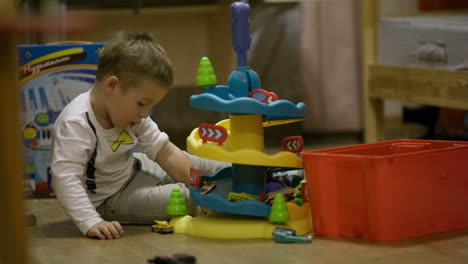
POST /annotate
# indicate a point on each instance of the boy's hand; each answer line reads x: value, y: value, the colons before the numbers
x: 105, y: 230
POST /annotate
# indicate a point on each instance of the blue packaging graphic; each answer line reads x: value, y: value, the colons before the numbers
x: 50, y: 76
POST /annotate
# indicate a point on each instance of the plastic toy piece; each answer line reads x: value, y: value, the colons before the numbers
x: 236, y: 197
x: 305, y: 192
x: 205, y: 74
x: 302, y: 194
x: 213, y: 133
x: 279, y: 210
x: 240, y: 23
x: 261, y: 197
x: 285, y: 230
x: 178, y: 258
x: 240, y: 138
x: 176, y: 206
x: 263, y: 95
x: 276, y: 122
x: 194, y: 177
x: 283, y: 237
x: 243, y: 79
x: 223, y: 225
x: 289, y: 178
x: 293, y: 144
x: 217, y: 199
x: 245, y: 144
x: 162, y: 227
x: 288, y: 193
x: 207, y: 187
x: 242, y: 104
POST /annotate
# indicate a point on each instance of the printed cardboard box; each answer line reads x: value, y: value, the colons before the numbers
x: 50, y: 76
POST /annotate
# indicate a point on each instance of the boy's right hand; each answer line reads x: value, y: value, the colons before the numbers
x: 105, y: 230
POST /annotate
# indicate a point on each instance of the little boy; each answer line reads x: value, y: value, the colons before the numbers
x: 97, y: 178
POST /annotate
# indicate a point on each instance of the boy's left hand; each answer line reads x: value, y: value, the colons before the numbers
x: 106, y: 230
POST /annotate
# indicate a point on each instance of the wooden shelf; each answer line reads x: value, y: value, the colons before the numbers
x: 418, y: 85
x: 443, y: 88
x: 187, y: 33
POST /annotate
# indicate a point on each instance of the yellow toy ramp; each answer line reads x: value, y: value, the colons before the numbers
x: 222, y: 225
x: 213, y: 151
x: 270, y: 123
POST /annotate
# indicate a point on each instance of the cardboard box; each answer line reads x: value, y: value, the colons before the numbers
x: 436, y: 41
x: 50, y: 76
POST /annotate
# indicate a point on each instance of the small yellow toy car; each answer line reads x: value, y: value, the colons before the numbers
x: 162, y: 227
x: 237, y: 197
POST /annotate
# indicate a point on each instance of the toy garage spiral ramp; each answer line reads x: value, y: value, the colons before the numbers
x: 237, y: 193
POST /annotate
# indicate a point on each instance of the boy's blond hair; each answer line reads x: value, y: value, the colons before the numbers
x: 132, y: 55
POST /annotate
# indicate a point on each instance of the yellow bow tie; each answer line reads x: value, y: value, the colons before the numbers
x: 124, y: 138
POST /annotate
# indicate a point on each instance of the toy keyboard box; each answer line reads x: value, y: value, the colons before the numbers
x: 50, y: 76
x: 388, y: 190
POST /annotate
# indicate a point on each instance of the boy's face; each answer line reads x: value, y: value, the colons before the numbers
x: 130, y: 107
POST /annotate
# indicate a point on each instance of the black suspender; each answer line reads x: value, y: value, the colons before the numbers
x: 90, y: 179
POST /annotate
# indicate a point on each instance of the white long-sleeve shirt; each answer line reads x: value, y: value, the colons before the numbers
x: 74, y: 143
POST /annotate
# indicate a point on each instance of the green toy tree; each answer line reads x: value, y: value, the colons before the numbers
x: 279, y: 211
x: 299, y: 200
x: 205, y: 74
x: 176, y: 206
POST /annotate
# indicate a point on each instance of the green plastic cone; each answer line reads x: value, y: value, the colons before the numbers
x: 176, y: 205
x: 279, y: 211
x: 205, y: 74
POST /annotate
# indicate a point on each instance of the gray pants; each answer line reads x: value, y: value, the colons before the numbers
x: 145, y: 196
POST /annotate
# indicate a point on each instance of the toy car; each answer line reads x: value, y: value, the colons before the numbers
x: 207, y: 187
x: 288, y: 235
x: 287, y: 231
x: 178, y: 258
x: 237, y: 197
x: 162, y: 227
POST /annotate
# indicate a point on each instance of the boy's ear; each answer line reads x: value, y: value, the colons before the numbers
x: 111, y: 84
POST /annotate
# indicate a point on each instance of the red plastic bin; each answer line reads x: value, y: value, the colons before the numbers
x: 388, y: 190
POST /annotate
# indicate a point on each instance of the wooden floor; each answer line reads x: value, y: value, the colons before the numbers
x: 55, y: 239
